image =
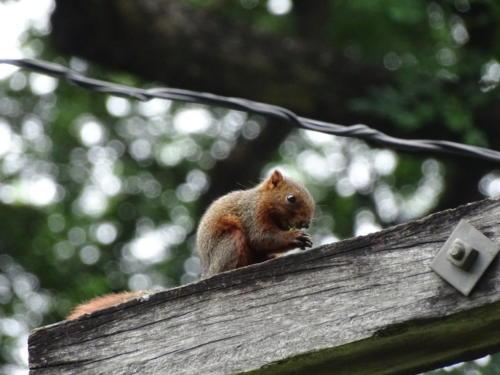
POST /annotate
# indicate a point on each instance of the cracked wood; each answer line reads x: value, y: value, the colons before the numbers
x: 367, y: 305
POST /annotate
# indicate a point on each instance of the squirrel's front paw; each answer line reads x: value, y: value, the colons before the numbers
x: 302, y: 239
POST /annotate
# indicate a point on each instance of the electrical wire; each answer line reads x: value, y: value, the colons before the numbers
x: 354, y: 131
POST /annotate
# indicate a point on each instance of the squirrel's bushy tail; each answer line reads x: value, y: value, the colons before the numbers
x: 105, y: 301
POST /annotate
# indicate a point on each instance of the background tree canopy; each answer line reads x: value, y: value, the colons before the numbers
x: 100, y: 193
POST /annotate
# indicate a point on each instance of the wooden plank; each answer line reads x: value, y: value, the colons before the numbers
x: 367, y: 305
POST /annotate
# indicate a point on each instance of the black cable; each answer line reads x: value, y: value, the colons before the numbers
x: 355, y: 131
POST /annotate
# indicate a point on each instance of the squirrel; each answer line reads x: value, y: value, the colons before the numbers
x: 241, y: 228
x: 254, y: 225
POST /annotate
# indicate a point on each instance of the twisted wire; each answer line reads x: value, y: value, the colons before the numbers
x: 354, y: 131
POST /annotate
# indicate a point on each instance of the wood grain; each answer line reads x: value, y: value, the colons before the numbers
x: 367, y: 305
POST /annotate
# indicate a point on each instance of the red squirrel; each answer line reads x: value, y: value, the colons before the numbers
x: 250, y: 226
x: 241, y: 228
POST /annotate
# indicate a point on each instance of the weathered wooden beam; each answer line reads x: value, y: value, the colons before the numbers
x: 367, y: 305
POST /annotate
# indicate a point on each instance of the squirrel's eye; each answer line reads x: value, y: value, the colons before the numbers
x: 291, y: 198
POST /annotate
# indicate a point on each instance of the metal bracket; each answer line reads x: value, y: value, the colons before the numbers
x: 464, y: 257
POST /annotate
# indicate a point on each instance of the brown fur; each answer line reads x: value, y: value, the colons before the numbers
x: 250, y: 226
x: 103, y: 302
x: 231, y: 225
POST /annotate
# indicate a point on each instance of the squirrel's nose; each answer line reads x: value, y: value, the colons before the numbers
x: 304, y: 224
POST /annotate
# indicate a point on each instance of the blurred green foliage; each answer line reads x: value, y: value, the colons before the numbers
x: 100, y: 194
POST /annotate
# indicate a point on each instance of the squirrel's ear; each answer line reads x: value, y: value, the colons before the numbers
x: 274, y: 180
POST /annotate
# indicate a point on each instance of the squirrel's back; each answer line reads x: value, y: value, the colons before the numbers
x: 224, y: 214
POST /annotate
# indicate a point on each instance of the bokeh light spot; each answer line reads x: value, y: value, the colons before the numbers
x: 91, y: 133
x: 89, y: 254
x: 192, y: 120
x: 106, y: 233
x: 41, y: 84
x: 279, y: 7
x: 118, y: 107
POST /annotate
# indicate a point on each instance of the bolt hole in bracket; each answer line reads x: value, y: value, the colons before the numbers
x: 464, y: 257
